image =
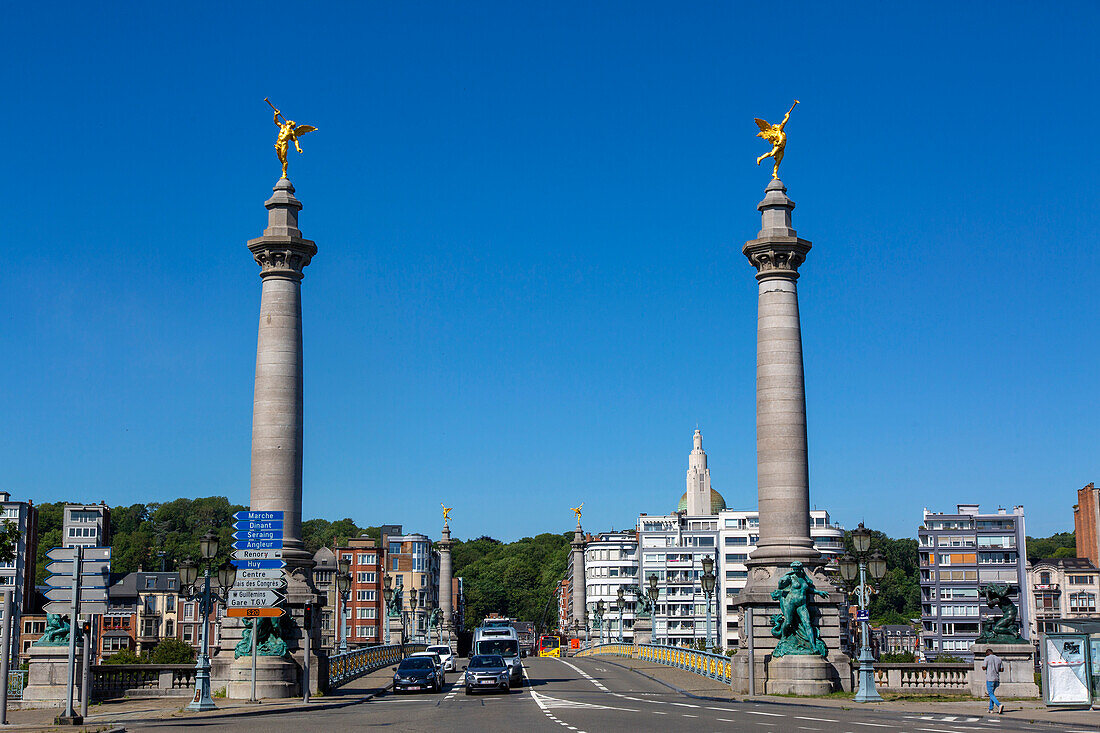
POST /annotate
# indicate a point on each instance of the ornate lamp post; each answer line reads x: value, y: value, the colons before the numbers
x: 600, y: 608
x: 412, y: 605
x: 387, y: 596
x: 189, y: 574
x: 620, y: 598
x: 343, y: 585
x: 708, y: 588
x: 653, y: 591
x: 850, y: 568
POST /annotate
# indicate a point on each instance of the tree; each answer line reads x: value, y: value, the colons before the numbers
x: 124, y: 656
x: 9, y: 541
x: 1054, y: 546
x: 172, y: 651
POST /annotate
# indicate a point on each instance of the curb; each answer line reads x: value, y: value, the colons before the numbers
x: 799, y: 703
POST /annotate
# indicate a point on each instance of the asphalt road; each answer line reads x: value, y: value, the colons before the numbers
x: 584, y: 696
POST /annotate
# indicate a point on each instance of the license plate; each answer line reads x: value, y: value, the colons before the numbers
x: 414, y: 687
x: 487, y: 682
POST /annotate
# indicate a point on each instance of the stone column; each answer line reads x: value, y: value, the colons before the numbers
x: 783, y: 484
x: 446, y: 606
x: 782, y: 469
x: 578, y: 581
x: 282, y: 254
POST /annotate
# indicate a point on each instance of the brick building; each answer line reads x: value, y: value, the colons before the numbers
x: 363, y: 613
x: 1086, y: 517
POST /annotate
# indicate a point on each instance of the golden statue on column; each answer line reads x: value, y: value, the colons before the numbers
x: 775, y: 135
x: 289, y: 131
x: 577, y: 511
x: 446, y: 514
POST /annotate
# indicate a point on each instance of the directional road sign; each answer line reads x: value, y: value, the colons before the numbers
x: 89, y: 595
x: 257, y: 544
x: 266, y: 534
x: 68, y: 553
x: 249, y: 554
x: 254, y: 612
x: 86, y: 609
x: 260, y: 584
x: 257, y: 574
x: 259, y: 516
x: 257, y: 525
x: 863, y: 614
x: 86, y: 581
x: 252, y: 598
x: 258, y: 564
x: 87, y: 567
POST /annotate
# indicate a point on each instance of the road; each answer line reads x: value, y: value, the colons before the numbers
x: 586, y: 695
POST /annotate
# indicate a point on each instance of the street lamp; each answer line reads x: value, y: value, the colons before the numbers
x: 708, y: 587
x: 850, y: 568
x: 653, y: 592
x: 343, y: 585
x: 600, y: 608
x: 387, y: 596
x: 226, y: 576
x: 620, y: 597
x: 412, y: 605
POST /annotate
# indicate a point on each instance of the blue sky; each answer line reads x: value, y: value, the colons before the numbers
x: 529, y: 288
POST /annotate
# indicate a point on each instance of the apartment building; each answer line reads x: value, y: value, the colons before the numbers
x: 324, y: 578
x: 739, y: 531
x: 364, y: 611
x: 86, y: 525
x: 960, y: 553
x: 611, y: 563
x: 1059, y: 590
x: 17, y: 575
x: 413, y: 563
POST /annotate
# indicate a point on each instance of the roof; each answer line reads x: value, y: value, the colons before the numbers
x: 1067, y: 563
x: 717, y: 503
x: 324, y: 559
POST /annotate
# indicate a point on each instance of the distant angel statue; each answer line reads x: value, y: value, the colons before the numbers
x: 289, y: 131
x: 446, y: 513
x: 775, y: 135
x: 577, y: 511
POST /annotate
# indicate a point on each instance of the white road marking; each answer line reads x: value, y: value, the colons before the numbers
x: 877, y: 725
x: 819, y: 720
x: 760, y: 712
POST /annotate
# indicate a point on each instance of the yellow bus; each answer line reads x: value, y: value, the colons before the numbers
x: 550, y: 646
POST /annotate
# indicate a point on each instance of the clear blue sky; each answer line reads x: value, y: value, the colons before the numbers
x: 529, y: 286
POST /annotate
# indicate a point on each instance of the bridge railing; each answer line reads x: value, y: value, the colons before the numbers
x: 705, y: 664
x: 353, y: 664
x: 927, y: 677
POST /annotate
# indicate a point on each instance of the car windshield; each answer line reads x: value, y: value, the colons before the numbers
x: 505, y: 647
x: 490, y: 660
x: 416, y: 663
x: 439, y: 650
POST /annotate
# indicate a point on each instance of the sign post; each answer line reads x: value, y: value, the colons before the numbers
x: 258, y: 552
x: 73, y: 615
x: 5, y: 642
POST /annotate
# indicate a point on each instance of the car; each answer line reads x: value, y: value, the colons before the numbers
x: 486, y: 672
x: 446, y: 655
x: 417, y: 673
x: 438, y: 663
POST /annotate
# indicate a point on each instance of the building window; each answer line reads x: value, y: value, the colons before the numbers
x: 393, y: 565
x: 367, y: 558
x: 1080, y: 580
x: 364, y: 595
x: 189, y: 634
x: 737, y: 541
x: 150, y: 603
x: 169, y: 628
x: 395, y: 548
x: 169, y: 603
x: 365, y: 577
x: 150, y: 583
x: 366, y: 613
x: 1044, y: 578
x: 361, y: 630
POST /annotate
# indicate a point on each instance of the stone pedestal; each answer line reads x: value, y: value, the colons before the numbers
x: 1018, y: 675
x: 395, y: 629
x: 643, y: 631
x: 580, y: 608
x: 446, y: 598
x: 48, y: 676
x: 275, y: 677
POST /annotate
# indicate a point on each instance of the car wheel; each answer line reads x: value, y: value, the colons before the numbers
x: 468, y: 691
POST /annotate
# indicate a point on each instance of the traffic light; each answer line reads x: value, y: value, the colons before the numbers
x: 86, y: 628
x: 309, y: 616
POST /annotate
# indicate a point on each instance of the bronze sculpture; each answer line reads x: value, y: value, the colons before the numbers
x: 268, y: 642
x: 793, y: 625
x: 1006, y: 628
x: 56, y: 633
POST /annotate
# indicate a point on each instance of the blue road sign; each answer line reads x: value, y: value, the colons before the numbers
x: 257, y: 544
x: 257, y: 525
x: 258, y: 564
x: 863, y: 615
x: 258, y: 535
x: 259, y: 516
x: 66, y: 581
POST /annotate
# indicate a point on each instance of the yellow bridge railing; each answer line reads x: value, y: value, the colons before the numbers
x: 706, y: 664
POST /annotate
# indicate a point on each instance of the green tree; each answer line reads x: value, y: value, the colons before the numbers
x: 124, y: 656
x: 1054, y: 546
x: 172, y: 651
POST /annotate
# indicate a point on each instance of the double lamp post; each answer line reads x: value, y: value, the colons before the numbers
x: 864, y: 563
x: 708, y: 581
x: 226, y: 577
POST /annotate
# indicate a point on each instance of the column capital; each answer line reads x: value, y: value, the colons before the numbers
x: 282, y: 251
x: 777, y: 251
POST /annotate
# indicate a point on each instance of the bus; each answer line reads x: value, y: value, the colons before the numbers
x: 550, y: 646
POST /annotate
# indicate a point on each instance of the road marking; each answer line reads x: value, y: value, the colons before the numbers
x: 760, y: 712
x: 819, y: 720
x: 877, y: 725
x: 684, y: 705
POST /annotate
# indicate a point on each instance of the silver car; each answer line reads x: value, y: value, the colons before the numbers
x: 487, y: 672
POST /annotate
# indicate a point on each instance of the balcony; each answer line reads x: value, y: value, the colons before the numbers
x: 1046, y: 586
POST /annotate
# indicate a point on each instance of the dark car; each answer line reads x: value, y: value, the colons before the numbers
x: 487, y: 672
x: 415, y: 674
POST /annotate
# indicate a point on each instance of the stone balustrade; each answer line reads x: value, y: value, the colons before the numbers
x: 928, y: 678
x: 140, y: 680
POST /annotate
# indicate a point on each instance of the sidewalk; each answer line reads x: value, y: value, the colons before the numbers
x: 693, y: 685
x: 101, y: 716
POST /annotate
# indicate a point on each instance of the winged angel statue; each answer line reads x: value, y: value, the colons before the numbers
x: 775, y: 135
x: 289, y: 131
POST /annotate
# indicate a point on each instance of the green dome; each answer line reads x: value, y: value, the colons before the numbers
x: 717, y: 503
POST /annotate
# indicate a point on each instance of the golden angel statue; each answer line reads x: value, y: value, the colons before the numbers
x: 446, y: 513
x: 775, y: 135
x: 577, y: 511
x: 288, y: 130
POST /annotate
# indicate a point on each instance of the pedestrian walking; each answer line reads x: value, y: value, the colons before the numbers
x: 992, y: 665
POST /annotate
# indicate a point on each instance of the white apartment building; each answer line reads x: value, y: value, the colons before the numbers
x: 18, y: 575
x: 86, y: 525
x: 739, y: 531
x: 610, y: 563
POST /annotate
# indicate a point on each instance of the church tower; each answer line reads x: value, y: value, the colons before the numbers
x: 698, y: 480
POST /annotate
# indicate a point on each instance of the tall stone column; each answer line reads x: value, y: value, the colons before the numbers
x: 282, y: 253
x: 782, y: 467
x: 579, y: 607
x: 783, y: 484
x: 446, y: 572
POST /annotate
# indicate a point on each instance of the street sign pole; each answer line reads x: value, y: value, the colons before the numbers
x: 255, y: 623
x: 5, y: 642
x: 305, y: 660
x: 77, y: 552
x: 85, y: 669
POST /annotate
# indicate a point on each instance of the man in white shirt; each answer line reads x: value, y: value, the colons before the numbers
x: 992, y: 665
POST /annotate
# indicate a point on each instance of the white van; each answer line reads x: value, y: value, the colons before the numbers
x: 502, y: 641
